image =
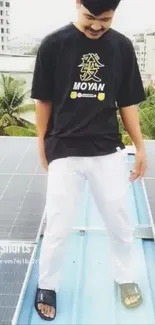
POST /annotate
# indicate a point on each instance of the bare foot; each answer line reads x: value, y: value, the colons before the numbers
x: 132, y: 300
x: 46, y: 310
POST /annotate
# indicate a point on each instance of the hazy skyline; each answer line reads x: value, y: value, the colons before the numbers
x: 38, y: 18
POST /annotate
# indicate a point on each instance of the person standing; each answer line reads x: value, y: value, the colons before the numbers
x: 84, y: 73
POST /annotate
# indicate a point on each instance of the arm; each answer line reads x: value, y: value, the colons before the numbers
x: 42, y: 91
x: 131, y: 123
x: 131, y: 93
x: 43, y: 114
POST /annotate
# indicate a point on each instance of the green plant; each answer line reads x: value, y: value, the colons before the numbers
x: 126, y: 139
x: 12, y: 95
x: 19, y: 131
x: 27, y: 108
x: 146, y: 117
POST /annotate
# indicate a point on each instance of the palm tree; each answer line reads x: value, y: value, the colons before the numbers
x: 150, y: 98
x: 146, y: 117
x: 147, y: 122
x: 147, y: 114
x: 12, y: 95
x: 149, y: 91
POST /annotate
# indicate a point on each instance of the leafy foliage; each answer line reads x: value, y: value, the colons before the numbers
x: 19, y: 131
x: 12, y: 95
x: 146, y: 117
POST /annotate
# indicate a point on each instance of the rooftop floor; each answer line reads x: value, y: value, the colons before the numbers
x: 87, y: 293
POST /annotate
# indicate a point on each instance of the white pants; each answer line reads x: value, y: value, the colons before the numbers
x: 108, y: 180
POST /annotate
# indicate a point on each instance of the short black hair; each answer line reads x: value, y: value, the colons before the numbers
x: 97, y: 7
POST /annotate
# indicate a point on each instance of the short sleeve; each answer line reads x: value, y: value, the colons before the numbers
x: 131, y: 91
x: 42, y: 83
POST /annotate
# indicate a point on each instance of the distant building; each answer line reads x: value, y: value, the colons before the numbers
x: 4, y: 24
x: 144, y: 44
x: 17, y: 64
x: 23, y: 45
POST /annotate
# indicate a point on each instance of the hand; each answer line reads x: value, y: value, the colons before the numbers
x: 44, y: 162
x: 140, y: 166
x: 42, y: 154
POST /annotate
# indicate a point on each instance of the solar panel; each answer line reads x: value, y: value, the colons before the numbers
x: 149, y: 179
x: 150, y: 187
x: 22, y: 189
x: 19, y: 155
x: 150, y: 152
x: 13, y: 267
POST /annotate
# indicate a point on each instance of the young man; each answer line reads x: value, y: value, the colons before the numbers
x: 84, y: 72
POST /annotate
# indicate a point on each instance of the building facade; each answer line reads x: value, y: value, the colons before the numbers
x: 144, y: 45
x: 4, y: 24
x: 23, y: 45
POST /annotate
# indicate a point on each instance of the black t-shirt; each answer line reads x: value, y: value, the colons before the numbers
x: 87, y: 81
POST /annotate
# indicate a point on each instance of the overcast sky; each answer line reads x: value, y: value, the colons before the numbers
x: 39, y: 17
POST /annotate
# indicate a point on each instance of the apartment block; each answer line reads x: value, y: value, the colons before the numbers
x: 4, y: 24
x: 144, y: 44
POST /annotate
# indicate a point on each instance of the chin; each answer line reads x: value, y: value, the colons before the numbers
x: 88, y: 34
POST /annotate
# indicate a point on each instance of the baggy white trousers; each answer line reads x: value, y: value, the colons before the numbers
x: 108, y: 180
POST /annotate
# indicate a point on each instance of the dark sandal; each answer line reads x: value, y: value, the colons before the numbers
x: 128, y: 290
x: 45, y: 297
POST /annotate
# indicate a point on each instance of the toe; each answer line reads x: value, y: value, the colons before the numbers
x: 43, y: 309
x: 132, y: 299
x: 47, y: 311
x: 52, y: 312
x: 136, y: 298
x: 127, y: 301
x: 40, y: 306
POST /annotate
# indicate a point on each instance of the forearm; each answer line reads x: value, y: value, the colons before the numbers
x: 131, y: 123
x: 43, y: 113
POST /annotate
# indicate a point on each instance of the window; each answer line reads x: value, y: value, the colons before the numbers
x: 7, y: 22
x: 7, y: 4
x: 8, y: 30
x: 2, y: 47
x: 2, y: 30
x: 1, y: 3
x: 2, y: 21
x: 7, y: 13
x: 1, y: 12
x: 2, y: 39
